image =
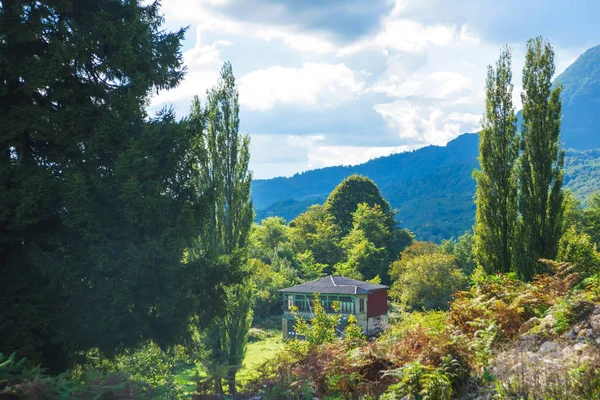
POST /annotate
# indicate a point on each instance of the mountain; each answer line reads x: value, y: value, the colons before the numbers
x: 581, y: 101
x: 432, y: 188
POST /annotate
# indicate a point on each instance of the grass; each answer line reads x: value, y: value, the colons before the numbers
x: 257, y: 353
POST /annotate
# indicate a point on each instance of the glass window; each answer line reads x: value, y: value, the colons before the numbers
x: 329, y: 303
x: 300, y: 302
x: 362, y: 305
x: 346, y: 304
x: 289, y: 301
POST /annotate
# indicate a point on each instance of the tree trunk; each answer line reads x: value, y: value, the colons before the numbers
x: 231, y: 381
x: 219, y: 386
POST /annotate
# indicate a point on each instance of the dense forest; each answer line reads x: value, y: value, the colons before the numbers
x: 131, y: 265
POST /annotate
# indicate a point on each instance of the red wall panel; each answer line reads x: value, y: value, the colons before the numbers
x: 377, y: 303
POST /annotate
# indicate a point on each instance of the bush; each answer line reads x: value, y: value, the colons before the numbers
x: 578, y: 249
x: 419, y: 382
x: 425, y: 281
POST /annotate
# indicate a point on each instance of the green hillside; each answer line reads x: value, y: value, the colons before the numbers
x: 432, y: 188
x: 434, y: 198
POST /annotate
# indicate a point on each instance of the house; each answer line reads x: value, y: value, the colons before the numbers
x: 367, y: 301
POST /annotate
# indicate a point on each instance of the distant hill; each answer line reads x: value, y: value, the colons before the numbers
x: 581, y: 101
x: 433, y: 187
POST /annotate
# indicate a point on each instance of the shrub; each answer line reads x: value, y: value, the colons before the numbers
x: 419, y: 382
x: 426, y: 281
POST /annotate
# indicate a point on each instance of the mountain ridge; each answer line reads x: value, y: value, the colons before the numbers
x: 432, y: 187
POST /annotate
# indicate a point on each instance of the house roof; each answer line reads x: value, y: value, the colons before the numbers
x: 335, y: 285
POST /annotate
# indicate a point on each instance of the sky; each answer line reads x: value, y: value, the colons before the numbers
x: 332, y: 82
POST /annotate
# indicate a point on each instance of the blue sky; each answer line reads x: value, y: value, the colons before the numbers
x: 335, y: 82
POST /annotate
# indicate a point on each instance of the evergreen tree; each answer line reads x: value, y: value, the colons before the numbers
x: 98, y: 203
x: 541, y: 162
x: 496, y: 193
x: 225, y: 178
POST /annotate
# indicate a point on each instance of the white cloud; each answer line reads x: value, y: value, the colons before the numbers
x: 203, y: 63
x: 327, y: 156
x: 208, y: 19
x: 421, y: 70
x: 296, y: 153
x: 426, y: 124
x: 313, y: 84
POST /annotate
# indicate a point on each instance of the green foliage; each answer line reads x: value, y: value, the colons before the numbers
x: 309, y: 268
x: 592, y: 218
x: 462, y: 250
x: 353, y: 333
x: 268, y: 279
x: 322, y: 326
x: 272, y: 233
x: 578, y: 249
x: 370, y: 245
x: 541, y: 162
x: 22, y: 380
x: 419, y: 382
x: 225, y: 178
x: 425, y: 278
x: 364, y: 259
x: 496, y: 194
x: 99, y: 200
x: 344, y: 200
x: 432, y: 321
x: 153, y: 366
x: 315, y: 231
x: 226, y: 338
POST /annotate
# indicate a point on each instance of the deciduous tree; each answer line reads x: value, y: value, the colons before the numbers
x: 541, y: 161
x: 496, y: 193
x: 225, y: 178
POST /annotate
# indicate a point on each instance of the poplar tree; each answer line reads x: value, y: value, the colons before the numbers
x: 496, y: 193
x: 541, y: 162
x: 225, y: 178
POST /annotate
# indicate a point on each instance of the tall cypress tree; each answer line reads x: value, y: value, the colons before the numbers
x: 496, y: 194
x: 541, y: 162
x: 226, y: 179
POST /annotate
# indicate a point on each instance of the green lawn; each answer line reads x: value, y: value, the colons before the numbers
x: 257, y: 353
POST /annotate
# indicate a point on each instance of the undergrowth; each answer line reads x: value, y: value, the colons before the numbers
x: 443, y: 355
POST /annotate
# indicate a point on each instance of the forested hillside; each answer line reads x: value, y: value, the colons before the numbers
x: 432, y: 188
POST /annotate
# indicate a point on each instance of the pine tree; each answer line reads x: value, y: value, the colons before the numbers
x: 225, y: 178
x: 541, y: 162
x: 496, y: 194
x: 98, y: 205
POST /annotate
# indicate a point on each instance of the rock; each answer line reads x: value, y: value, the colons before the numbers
x: 579, y: 347
x: 570, y: 335
x: 595, y: 323
x: 585, y: 333
x: 547, y: 323
x: 530, y: 323
x: 547, y: 347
